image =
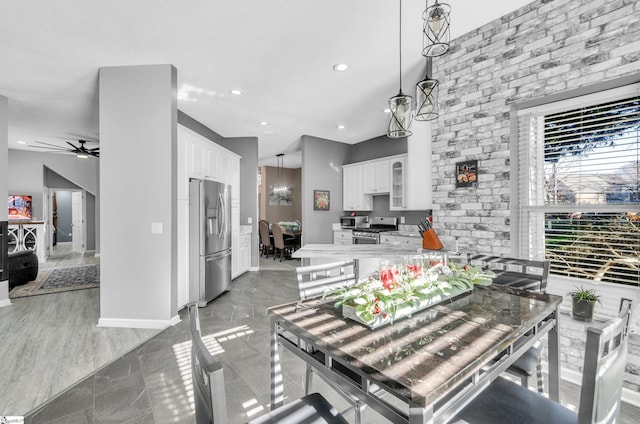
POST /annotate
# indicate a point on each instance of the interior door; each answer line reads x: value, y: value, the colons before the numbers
x: 77, y: 221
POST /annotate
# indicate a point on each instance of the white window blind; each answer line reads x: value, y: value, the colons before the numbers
x: 578, y: 177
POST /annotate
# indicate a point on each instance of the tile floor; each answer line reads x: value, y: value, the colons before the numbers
x: 152, y: 383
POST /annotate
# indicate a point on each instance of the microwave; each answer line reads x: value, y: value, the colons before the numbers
x: 353, y: 221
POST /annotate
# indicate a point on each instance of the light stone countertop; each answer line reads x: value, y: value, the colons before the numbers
x: 353, y: 251
x: 246, y: 229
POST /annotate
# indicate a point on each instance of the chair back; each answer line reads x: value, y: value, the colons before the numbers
x: 523, y: 274
x: 278, y: 238
x: 208, y: 379
x: 313, y: 280
x: 603, y: 372
x: 263, y: 229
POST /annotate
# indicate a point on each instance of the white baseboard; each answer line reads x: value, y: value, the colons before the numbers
x: 254, y: 269
x: 138, y: 323
x: 5, y: 302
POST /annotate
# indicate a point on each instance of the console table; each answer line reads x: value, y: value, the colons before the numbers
x: 28, y: 236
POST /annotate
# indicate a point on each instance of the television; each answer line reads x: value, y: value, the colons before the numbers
x: 19, y: 208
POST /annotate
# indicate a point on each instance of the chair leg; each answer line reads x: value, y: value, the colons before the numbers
x: 358, y: 409
x: 524, y: 381
x: 309, y: 380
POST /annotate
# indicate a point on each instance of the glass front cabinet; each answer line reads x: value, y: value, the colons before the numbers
x: 398, y: 179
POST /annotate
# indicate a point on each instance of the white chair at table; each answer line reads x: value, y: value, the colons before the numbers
x: 602, y: 377
x: 523, y: 274
x: 210, y: 399
x: 313, y: 280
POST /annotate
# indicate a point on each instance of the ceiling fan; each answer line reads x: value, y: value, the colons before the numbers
x: 80, y: 151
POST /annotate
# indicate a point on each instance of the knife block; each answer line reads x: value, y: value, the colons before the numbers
x: 430, y: 240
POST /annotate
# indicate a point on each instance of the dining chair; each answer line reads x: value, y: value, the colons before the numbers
x: 313, y: 280
x: 602, y: 377
x: 265, y: 238
x: 280, y: 244
x: 210, y: 399
x: 526, y: 274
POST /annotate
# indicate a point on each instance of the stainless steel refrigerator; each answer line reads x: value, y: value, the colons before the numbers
x: 209, y: 240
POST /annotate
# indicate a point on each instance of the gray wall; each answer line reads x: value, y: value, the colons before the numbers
x: 247, y: 148
x: 322, y: 162
x: 4, y: 147
x: 375, y: 148
x: 138, y: 273
x: 27, y: 174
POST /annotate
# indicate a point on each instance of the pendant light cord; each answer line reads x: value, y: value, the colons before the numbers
x: 400, y: 44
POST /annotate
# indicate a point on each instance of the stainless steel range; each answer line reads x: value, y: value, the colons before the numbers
x: 377, y: 225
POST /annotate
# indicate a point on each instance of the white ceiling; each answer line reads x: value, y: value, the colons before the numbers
x: 280, y: 53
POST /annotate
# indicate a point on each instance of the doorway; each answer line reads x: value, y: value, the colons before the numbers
x: 67, y: 210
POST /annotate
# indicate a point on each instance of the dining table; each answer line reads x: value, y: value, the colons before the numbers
x: 424, y: 368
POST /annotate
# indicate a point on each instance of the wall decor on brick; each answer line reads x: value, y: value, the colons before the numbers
x: 467, y: 174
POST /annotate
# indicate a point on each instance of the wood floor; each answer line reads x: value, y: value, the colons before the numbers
x: 50, y: 342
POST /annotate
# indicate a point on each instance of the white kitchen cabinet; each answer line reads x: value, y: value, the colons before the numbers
x: 342, y: 237
x: 353, y: 198
x: 398, y: 179
x: 418, y: 167
x: 376, y: 177
x: 211, y: 170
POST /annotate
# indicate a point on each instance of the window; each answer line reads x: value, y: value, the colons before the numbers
x: 578, y: 185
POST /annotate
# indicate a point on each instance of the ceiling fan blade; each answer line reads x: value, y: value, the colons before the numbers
x: 95, y: 149
x: 54, y: 148
x: 74, y: 147
x: 49, y: 144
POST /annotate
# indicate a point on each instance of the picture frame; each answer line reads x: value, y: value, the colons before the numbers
x: 321, y: 200
x: 467, y: 174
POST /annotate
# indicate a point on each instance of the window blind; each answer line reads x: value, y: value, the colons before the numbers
x: 578, y: 179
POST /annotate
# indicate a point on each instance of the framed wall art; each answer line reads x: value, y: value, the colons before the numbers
x: 467, y: 174
x: 321, y: 200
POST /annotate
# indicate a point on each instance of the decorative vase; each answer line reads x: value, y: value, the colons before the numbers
x: 583, y: 310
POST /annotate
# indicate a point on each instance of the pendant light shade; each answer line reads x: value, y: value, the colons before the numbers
x: 281, y: 189
x: 400, y: 104
x: 401, y: 115
x: 435, y: 33
x: 427, y: 97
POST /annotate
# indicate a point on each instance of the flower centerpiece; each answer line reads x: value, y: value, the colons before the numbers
x: 397, y: 291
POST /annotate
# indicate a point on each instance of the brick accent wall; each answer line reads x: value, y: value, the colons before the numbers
x: 544, y: 48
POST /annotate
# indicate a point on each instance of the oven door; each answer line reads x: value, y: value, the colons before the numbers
x: 368, y: 239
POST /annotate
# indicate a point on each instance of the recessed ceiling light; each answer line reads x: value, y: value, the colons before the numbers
x: 22, y: 142
x: 340, y: 127
x: 263, y: 123
x: 236, y: 92
x: 340, y: 67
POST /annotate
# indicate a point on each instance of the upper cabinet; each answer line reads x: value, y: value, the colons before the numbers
x: 418, y: 168
x: 398, y: 177
x: 354, y: 198
x: 376, y: 177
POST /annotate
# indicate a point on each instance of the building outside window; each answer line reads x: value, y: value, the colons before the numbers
x: 578, y: 197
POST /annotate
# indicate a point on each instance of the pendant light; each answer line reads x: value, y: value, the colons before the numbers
x: 435, y: 32
x: 400, y: 104
x: 280, y: 188
x: 427, y: 96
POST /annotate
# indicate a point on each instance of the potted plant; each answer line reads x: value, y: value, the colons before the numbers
x: 584, y: 301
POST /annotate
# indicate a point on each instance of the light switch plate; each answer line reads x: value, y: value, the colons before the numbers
x: 156, y: 228
x: 249, y: 220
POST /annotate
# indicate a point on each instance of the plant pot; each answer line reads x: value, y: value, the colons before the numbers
x: 583, y: 310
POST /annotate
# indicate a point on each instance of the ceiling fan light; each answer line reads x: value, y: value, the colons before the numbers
x: 401, y: 116
x: 82, y: 156
x: 436, y: 30
x: 427, y: 99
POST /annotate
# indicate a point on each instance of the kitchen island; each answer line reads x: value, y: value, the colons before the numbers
x: 367, y: 256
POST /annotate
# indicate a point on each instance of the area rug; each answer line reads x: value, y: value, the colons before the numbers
x: 56, y: 280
